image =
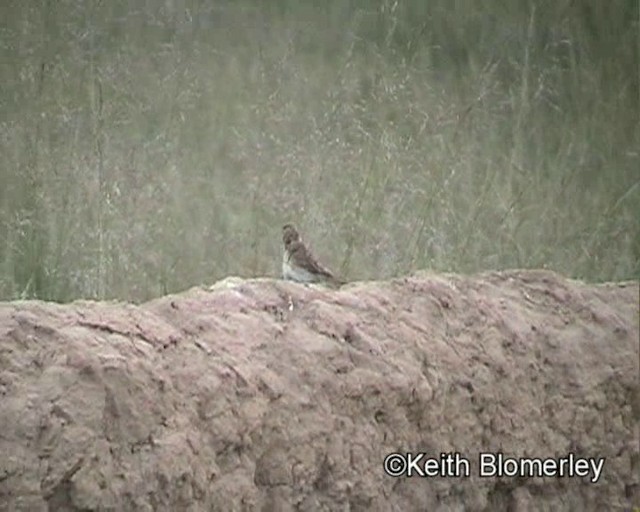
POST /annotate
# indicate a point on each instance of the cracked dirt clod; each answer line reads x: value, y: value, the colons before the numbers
x: 231, y: 399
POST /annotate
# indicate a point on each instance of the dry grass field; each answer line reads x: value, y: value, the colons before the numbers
x: 151, y: 146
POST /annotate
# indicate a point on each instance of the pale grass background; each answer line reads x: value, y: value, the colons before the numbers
x: 149, y: 146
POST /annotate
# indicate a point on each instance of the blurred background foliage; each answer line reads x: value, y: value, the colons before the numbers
x: 154, y: 145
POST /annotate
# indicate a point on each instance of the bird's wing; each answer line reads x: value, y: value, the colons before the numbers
x: 304, y: 259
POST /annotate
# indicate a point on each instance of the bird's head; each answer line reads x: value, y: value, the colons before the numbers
x: 289, y: 234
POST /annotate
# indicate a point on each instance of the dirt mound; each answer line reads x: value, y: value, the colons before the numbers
x: 265, y: 395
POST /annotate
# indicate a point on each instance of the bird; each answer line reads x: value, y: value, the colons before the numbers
x: 298, y: 264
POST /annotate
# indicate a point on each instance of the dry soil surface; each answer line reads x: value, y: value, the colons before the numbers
x: 266, y: 395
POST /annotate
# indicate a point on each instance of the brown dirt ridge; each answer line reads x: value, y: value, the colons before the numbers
x: 266, y: 395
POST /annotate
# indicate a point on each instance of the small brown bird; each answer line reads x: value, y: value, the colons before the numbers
x: 298, y: 264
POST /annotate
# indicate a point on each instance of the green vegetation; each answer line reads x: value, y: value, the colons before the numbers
x: 151, y: 146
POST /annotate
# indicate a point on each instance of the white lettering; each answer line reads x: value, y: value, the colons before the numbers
x: 488, y: 465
